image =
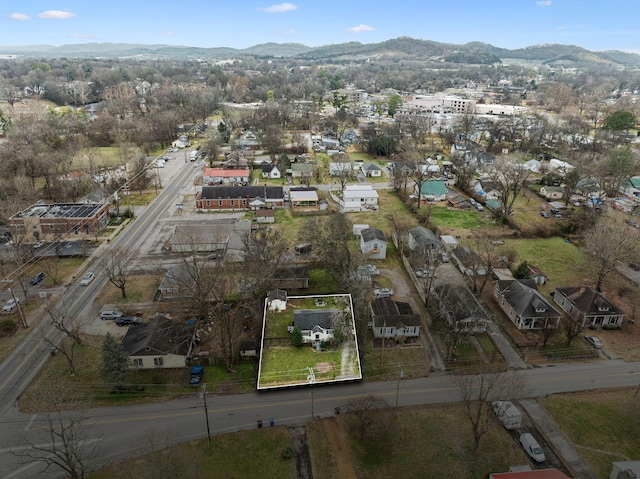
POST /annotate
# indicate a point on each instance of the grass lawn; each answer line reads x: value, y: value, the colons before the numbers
x: 389, y: 203
x: 443, y: 435
x: 283, y: 365
x: 140, y: 289
x: 243, y: 454
x: 451, y: 221
x: 559, y: 260
x: 103, y: 157
x: 603, y: 425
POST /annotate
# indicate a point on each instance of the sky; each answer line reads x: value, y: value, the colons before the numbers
x: 593, y: 24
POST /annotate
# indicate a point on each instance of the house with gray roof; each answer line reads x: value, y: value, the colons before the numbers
x: 524, y: 305
x: 588, y: 307
x: 159, y: 343
x: 422, y: 239
x: 371, y: 169
x: 316, y: 324
x: 373, y: 243
x: 393, y: 319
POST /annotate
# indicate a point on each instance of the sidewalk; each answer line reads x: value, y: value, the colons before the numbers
x: 557, y: 440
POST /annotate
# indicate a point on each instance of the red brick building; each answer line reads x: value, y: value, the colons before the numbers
x: 239, y: 197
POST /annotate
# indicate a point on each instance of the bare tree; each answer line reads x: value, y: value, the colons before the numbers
x: 364, y: 410
x: 69, y: 337
x: 66, y: 446
x: 117, y: 266
x: 606, y: 244
x: 571, y: 329
x: 510, y: 178
x: 482, y: 386
x: 548, y: 331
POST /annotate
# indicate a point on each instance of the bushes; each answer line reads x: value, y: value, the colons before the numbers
x: 8, y: 327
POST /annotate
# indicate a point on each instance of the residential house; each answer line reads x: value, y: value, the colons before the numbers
x: 559, y: 166
x: 449, y: 242
x: 316, y: 324
x: 536, y: 274
x: 456, y: 200
x: 488, y: 190
x: 588, y: 307
x: 216, y: 176
x: 534, y: 166
x: 159, y: 343
x: 277, y: 300
x: 393, y: 319
x: 371, y: 169
x: 249, y: 140
x: 373, y: 243
x: 301, y: 170
x: 469, y: 262
x: 176, y: 284
x: 552, y: 192
x: 271, y: 171
x: 265, y: 216
x: 225, y: 237
x: 460, y: 309
x: 493, y: 205
x: 423, y: 240
x: 525, y: 306
x: 588, y: 187
x: 305, y: 198
x: 239, y: 197
x: 433, y: 190
x: 359, y: 197
x: 357, y: 229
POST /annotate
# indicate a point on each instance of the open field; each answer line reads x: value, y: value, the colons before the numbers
x: 603, y: 425
x: 243, y: 454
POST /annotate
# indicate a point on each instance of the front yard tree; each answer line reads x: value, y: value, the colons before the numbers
x: 114, y: 362
x: 365, y: 411
x: 510, y: 178
x: 571, y: 329
x: 606, y: 244
x: 69, y: 337
x: 479, y: 388
x: 117, y: 266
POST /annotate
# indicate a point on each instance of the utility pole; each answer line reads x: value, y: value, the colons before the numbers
x: 203, y: 395
x: 23, y: 320
x: 400, y: 376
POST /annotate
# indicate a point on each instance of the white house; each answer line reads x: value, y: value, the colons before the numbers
x: 271, y: 171
x: 359, y: 197
x: 340, y: 169
x: 371, y: 169
x: 393, y: 319
x: 373, y: 243
x: 316, y: 324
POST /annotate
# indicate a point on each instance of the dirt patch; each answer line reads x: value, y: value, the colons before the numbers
x: 340, y: 447
x: 324, y: 367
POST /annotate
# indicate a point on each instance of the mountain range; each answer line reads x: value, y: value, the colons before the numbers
x: 402, y: 48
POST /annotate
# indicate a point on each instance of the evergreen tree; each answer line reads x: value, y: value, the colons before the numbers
x: 114, y: 362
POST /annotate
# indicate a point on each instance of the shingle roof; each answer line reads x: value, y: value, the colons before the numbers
x: 526, y: 300
x: 390, y: 313
x: 424, y: 236
x: 222, y: 192
x: 589, y: 301
x: 307, y: 319
x: 372, y: 234
x: 158, y: 336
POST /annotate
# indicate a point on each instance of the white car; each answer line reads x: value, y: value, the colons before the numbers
x: 532, y: 447
x: 38, y: 244
x: 382, y: 293
x: 10, y: 305
x: 87, y: 278
x: 593, y: 341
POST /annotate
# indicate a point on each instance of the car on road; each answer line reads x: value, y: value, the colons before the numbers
x: 634, y: 266
x: 382, y: 293
x: 10, y: 306
x: 37, y: 279
x: 39, y: 244
x: 129, y: 320
x: 87, y: 278
x: 532, y: 447
x: 108, y: 314
x: 593, y: 341
x: 544, y: 214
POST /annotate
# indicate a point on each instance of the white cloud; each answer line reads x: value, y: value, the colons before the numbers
x: 56, y: 14
x: 19, y: 16
x: 80, y: 35
x: 544, y: 3
x: 360, y: 28
x: 279, y: 8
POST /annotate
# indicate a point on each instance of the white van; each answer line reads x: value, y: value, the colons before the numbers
x: 508, y: 414
x: 532, y: 447
x: 194, y: 155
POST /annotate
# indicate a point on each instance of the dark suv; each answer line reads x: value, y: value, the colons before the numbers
x: 128, y: 320
x: 37, y: 279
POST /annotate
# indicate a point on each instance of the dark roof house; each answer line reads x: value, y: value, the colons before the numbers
x: 588, y: 307
x: 525, y: 306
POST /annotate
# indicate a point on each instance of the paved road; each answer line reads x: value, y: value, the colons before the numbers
x: 127, y: 431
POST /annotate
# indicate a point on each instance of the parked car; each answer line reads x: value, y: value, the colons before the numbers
x: 532, y: 447
x: 196, y: 375
x: 10, y: 306
x: 87, y: 278
x: 129, y: 320
x: 544, y: 214
x: 634, y: 266
x: 110, y: 315
x: 508, y: 414
x: 39, y: 244
x: 382, y: 293
x: 37, y: 279
x: 593, y: 341
x: 373, y: 270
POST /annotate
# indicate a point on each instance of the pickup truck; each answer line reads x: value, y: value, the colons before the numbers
x: 196, y: 376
